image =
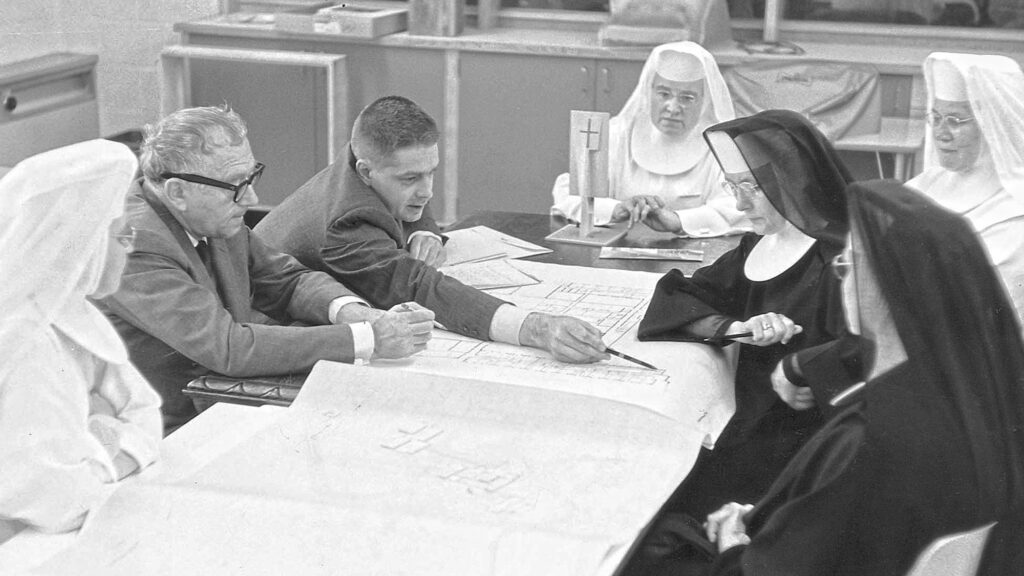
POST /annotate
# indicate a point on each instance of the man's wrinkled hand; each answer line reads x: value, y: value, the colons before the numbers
x: 797, y: 397
x: 429, y: 249
x: 568, y: 339
x: 402, y: 331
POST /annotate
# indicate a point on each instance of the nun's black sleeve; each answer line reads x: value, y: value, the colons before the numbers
x: 717, y: 292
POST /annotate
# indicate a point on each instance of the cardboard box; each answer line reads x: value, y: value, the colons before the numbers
x: 365, y: 21
x: 355, y: 20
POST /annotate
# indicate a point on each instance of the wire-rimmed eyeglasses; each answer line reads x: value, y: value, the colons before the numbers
x: 126, y: 238
x: 238, y: 189
x: 746, y: 188
x: 954, y: 123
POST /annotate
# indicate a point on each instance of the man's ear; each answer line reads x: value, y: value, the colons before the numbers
x: 363, y: 170
x: 174, y: 192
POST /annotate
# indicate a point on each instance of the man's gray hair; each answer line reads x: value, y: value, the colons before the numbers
x: 391, y: 123
x: 181, y: 141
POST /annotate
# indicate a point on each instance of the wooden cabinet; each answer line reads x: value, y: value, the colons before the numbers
x: 514, y: 122
x: 614, y: 82
x: 47, y: 102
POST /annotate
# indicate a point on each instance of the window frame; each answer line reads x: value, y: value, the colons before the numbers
x: 1005, y: 40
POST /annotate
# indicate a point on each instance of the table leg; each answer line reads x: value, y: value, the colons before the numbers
x: 900, y: 167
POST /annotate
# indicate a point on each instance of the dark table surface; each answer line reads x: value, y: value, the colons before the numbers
x: 534, y: 227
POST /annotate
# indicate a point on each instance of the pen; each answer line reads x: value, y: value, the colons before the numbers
x: 406, y: 308
x: 716, y: 339
x: 630, y: 358
x: 515, y: 242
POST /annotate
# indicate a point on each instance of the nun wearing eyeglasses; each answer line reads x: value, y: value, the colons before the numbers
x: 75, y: 415
x: 660, y: 169
x: 930, y: 444
x: 974, y: 153
x: 775, y: 295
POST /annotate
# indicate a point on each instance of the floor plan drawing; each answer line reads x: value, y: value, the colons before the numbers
x: 686, y: 386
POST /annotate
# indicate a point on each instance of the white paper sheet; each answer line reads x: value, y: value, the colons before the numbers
x: 490, y: 274
x: 693, y: 385
x: 377, y: 471
x: 480, y: 243
x: 472, y: 458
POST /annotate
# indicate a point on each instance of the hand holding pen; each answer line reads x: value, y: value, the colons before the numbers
x: 568, y: 339
x: 629, y: 358
x: 402, y: 331
x: 760, y: 330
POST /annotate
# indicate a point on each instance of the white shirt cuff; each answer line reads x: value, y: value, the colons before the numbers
x: 695, y: 223
x: 340, y: 302
x: 422, y: 233
x: 507, y: 322
x: 362, y: 340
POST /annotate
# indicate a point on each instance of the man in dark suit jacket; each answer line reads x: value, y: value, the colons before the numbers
x: 199, y: 286
x: 365, y: 221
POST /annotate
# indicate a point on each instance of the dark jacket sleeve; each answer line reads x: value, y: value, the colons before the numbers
x: 362, y: 255
x: 829, y: 368
x: 160, y: 298
x: 284, y: 287
x: 719, y: 289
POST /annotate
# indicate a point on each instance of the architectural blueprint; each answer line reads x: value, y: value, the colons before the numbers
x: 693, y: 384
x: 471, y: 458
x: 371, y: 472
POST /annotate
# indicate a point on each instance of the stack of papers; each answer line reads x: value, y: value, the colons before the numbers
x: 480, y: 243
x: 490, y: 275
x: 652, y: 253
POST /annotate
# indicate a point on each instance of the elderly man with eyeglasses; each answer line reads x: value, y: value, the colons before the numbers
x: 201, y: 294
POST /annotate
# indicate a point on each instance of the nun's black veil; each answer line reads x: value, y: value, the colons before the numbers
x: 952, y: 434
x: 935, y: 444
x: 796, y: 167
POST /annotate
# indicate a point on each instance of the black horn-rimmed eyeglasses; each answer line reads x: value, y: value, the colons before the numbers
x: 238, y: 189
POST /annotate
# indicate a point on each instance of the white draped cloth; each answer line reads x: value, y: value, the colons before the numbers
x: 991, y: 195
x: 71, y: 403
x: 692, y: 186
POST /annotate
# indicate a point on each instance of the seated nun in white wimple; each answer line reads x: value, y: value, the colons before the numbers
x: 660, y: 168
x: 974, y: 153
x: 75, y: 415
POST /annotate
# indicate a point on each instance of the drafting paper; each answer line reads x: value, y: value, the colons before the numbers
x: 480, y: 243
x: 469, y: 458
x: 374, y: 472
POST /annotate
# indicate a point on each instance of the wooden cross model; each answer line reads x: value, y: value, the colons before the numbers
x: 588, y: 163
x: 588, y: 179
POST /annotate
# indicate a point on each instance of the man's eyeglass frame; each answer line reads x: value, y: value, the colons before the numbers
x: 238, y: 189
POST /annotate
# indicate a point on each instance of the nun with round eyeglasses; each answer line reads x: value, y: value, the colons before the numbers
x: 974, y: 154
x: 775, y: 296
x: 660, y: 170
x: 929, y: 445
